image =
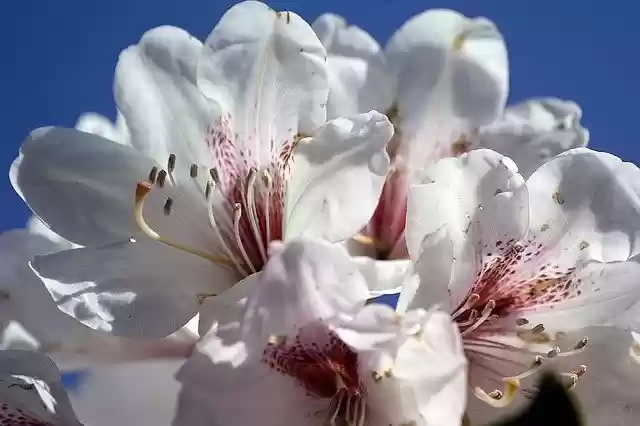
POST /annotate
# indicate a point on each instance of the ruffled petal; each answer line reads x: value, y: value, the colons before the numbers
x: 305, y: 281
x: 480, y: 197
x: 99, y: 125
x: 225, y: 381
x: 267, y: 71
x: 587, y: 200
x: 451, y: 76
x: 337, y: 177
x: 413, y: 366
x: 31, y: 391
x: 121, y: 288
x: 533, y: 132
x: 433, y: 267
x: 358, y: 77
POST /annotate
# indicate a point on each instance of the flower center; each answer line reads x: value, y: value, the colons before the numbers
x: 322, y: 364
x: 245, y: 213
x: 508, y: 283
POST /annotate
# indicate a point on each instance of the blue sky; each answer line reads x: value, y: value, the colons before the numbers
x: 59, y: 57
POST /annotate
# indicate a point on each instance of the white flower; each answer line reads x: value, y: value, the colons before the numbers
x: 440, y: 77
x: 533, y: 132
x: 443, y: 80
x: 218, y: 167
x: 527, y: 269
x: 31, y: 392
x: 300, y: 347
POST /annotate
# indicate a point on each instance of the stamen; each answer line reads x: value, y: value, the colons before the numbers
x: 142, y: 190
x: 537, y: 363
x: 171, y: 164
x: 577, y: 348
x: 153, y: 175
x: 473, y: 316
x: 167, y: 206
x: 216, y: 230
x: 468, y: 304
x: 193, y: 171
x: 162, y: 176
x: 486, y: 313
x: 522, y: 321
x: 236, y: 229
x: 497, y: 398
x: 252, y: 213
x: 268, y: 183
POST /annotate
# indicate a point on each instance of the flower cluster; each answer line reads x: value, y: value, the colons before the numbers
x: 260, y: 190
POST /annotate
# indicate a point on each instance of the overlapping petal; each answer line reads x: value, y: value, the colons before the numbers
x: 359, y: 80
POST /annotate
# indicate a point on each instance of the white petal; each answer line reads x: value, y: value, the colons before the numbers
x: 303, y: 282
x: 31, y: 391
x: 267, y: 70
x: 587, y: 199
x: 358, y: 77
x: 600, y: 293
x: 534, y: 131
x: 141, y: 393
x: 82, y: 186
x: 225, y: 382
x: 337, y: 177
x: 24, y: 298
x: 37, y: 227
x: 139, y: 289
x: 384, y: 276
x: 451, y: 76
x: 157, y: 94
x: 99, y: 125
x: 433, y: 266
x: 609, y: 392
x: 420, y: 368
x: 479, y: 196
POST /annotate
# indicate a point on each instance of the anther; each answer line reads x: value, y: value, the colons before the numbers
x: 538, y: 328
x: 553, y: 352
x: 582, y: 343
x: 142, y: 190
x: 468, y: 304
x: 193, y: 171
x: 171, y: 164
x: 162, y: 176
x: 167, y: 206
x: 213, y: 172
x: 153, y: 175
x: 497, y: 398
x: 207, y: 189
x: 522, y: 321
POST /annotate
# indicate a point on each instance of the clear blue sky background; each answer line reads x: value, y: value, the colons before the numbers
x: 58, y: 57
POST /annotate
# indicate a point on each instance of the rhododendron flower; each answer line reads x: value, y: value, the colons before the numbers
x: 528, y: 268
x: 443, y: 80
x: 299, y: 347
x: 219, y: 164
